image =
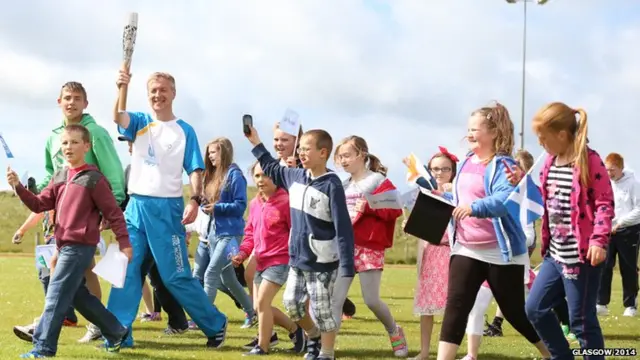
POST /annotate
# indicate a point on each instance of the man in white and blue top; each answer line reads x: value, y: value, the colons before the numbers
x: 163, y: 145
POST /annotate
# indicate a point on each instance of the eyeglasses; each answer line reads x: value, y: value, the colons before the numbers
x: 302, y: 150
x: 437, y: 169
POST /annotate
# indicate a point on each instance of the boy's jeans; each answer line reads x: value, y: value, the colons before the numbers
x: 44, y: 279
x: 70, y: 314
x: 214, y: 274
x: 580, y: 284
x: 66, y: 287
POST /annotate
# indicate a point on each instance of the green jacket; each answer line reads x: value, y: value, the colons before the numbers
x: 102, y: 154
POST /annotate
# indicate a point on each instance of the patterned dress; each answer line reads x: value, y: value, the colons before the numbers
x: 433, y: 278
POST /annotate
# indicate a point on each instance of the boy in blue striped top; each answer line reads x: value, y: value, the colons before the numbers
x: 321, y: 238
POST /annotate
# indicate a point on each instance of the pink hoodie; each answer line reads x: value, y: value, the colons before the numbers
x: 592, y: 207
x: 267, y: 231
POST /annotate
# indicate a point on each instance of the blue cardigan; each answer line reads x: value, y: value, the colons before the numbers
x: 511, y: 237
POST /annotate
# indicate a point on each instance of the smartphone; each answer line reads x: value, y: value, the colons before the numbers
x: 247, y: 122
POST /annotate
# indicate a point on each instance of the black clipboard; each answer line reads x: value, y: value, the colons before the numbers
x: 429, y: 217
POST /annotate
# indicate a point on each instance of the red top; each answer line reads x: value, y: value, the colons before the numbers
x: 78, y: 196
x: 373, y: 228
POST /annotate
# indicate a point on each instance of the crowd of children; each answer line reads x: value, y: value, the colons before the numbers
x: 311, y: 233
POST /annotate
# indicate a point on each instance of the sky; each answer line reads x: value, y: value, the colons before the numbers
x: 403, y: 74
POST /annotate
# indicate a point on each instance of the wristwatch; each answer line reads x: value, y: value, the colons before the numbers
x: 197, y: 199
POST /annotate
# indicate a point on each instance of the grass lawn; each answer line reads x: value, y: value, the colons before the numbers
x: 21, y: 299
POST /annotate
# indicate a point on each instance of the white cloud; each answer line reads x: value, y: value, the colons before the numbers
x: 403, y: 74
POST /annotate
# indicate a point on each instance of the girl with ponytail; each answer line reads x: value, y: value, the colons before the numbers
x: 373, y: 228
x: 576, y: 226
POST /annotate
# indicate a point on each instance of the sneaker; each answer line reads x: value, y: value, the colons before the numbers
x: 602, y: 310
x: 492, y: 331
x: 193, y: 325
x: 172, y: 331
x: 24, y: 332
x: 69, y: 323
x: 114, y: 347
x: 218, y: 339
x: 93, y: 334
x: 325, y: 358
x: 630, y: 311
x: 249, y: 321
x: 255, y: 351
x: 399, y: 343
x: 468, y: 357
x: 313, y: 349
x: 254, y: 342
x: 299, y: 340
x: 146, y: 317
x: 32, y: 355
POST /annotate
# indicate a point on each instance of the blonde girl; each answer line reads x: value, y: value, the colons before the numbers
x: 576, y: 227
x: 486, y: 242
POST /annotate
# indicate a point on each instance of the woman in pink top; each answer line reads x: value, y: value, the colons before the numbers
x: 266, y: 236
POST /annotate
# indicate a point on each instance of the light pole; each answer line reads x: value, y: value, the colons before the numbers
x: 524, y: 60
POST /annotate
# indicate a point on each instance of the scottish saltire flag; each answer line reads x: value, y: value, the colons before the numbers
x: 525, y: 203
x: 6, y: 147
x: 416, y: 170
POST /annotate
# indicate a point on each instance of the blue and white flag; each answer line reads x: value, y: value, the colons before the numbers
x: 6, y: 147
x: 525, y: 203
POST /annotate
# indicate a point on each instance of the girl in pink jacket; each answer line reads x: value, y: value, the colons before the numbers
x: 576, y: 226
x: 266, y: 235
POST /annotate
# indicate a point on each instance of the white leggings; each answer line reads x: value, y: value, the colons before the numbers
x: 475, y: 324
x: 370, y: 287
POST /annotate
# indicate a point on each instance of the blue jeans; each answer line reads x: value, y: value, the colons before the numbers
x: 66, y: 287
x: 215, y: 276
x: 579, y: 283
x: 70, y: 314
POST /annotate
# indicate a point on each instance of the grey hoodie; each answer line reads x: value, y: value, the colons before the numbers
x: 626, y: 192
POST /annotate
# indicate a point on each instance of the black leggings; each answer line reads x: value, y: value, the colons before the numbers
x: 466, y: 275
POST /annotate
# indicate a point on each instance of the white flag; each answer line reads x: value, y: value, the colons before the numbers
x: 385, y: 200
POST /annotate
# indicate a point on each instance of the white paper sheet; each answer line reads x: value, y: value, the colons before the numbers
x: 113, y: 266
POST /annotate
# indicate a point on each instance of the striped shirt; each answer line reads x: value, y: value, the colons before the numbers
x: 564, y: 245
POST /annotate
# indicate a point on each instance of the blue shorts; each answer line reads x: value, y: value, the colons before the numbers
x: 276, y: 274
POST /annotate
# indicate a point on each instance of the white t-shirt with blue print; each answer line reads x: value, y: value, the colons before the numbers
x: 161, y: 151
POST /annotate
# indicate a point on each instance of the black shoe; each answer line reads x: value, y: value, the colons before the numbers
x: 273, y: 342
x: 255, y: 351
x: 299, y: 340
x: 493, y: 331
x: 218, y: 339
x: 313, y: 349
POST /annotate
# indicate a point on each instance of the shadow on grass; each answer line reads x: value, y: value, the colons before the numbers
x: 144, y: 344
x: 622, y: 337
x: 373, y: 319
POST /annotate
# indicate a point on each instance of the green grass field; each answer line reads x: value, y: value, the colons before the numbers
x: 362, y: 337
x: 21, y: 299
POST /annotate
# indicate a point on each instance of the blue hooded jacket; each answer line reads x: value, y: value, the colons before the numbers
x: 511, y: 237
x: 321, y: 237
x: 228, y: 212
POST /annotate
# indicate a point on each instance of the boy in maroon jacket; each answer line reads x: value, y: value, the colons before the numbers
x: 79, y: 194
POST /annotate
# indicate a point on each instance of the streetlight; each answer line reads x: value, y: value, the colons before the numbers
x: 524, y: 59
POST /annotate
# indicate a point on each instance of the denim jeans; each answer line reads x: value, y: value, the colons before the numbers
x: 579, y: 283
x: 70, y: 314
x: 214, y: 274
x: 66, y: 287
